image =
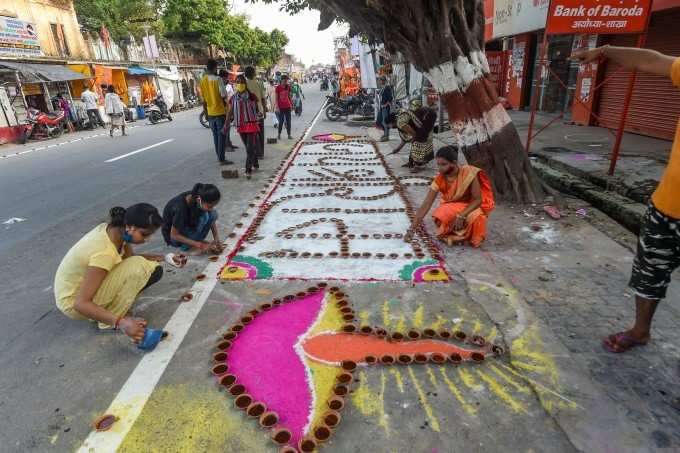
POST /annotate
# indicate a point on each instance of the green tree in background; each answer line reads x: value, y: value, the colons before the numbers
x: 121, y: 17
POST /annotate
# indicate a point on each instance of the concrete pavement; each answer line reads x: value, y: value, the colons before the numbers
x: 544, y: 395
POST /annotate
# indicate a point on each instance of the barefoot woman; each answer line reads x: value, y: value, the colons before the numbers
x: 466, y: 201
x: 100, y: 277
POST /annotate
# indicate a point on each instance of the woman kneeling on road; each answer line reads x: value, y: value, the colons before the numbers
x: 100, y: 277
x: 189, y: 217
x: 466, y: 201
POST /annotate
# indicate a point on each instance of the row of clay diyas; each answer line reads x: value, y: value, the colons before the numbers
x: 288, y: 235
x: 340, y: 184
x: 344, y: 179
x: 436, y: 358
x: 335, y: 164
x: 346, y: 211
x: 342, y: 254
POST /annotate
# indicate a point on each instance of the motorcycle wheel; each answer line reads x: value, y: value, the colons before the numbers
x: 203, y: 118
x: 154, y: 117
x: 333, y: 113
x: 57, y: 131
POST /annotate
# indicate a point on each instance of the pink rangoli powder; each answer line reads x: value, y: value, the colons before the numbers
x: 264, y: 359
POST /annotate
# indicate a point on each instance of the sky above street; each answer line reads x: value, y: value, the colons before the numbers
x: 306, y: 42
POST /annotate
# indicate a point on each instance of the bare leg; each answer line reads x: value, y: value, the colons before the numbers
x: 122, y: 128
x: 111, y: 133
x: 644, y: 312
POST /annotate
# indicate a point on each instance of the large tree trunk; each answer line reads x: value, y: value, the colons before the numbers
x: 483, y: 129
x: 445, y: 40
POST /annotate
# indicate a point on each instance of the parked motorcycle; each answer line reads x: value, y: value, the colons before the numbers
x: 158, y: 110
x: 203, y: 119
x: 41, y: 125
x: 360, y: 104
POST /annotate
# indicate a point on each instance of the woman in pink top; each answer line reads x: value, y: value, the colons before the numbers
x: 284, y: 105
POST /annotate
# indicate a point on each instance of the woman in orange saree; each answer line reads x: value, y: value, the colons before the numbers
x: 466, y: 201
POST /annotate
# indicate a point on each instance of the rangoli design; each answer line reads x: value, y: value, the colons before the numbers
x: 336, y: 212
x: 289, y: 363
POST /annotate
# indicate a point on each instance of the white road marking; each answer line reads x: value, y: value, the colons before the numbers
x: 137, y: 390
x: 137, y: 151
x: 13, y: 220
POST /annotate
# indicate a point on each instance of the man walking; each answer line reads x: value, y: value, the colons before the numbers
x: 658, y: 251
x: 214, y: 96
x: 90, y: 99
x: 257, y: 88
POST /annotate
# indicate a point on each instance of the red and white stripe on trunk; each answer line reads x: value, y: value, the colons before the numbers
x: 474, y: 111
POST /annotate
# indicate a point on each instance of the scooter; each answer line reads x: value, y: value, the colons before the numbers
x: 41, y: 125
x: 158, y: 110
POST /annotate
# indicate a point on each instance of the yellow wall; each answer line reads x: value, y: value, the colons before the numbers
x: 44, y: 12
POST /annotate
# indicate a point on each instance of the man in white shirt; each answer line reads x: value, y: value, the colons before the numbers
x: 90, y: 99
x: 228, y: 146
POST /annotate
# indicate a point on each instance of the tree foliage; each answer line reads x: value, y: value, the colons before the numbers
x: 208, y: 21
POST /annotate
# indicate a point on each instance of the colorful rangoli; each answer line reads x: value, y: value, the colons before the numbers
x: 289, y: 363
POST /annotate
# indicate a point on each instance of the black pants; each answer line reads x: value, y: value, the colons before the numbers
x: 250, y: 141
x: 284, y: 114
x: 95, y: 119
x: 260, y: 149
x: 227, y: 136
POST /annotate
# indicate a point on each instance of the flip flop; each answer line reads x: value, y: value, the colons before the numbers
x: 151, y: 339
x: 620, y: 342
x: 176, y: 260
x: 553, y: 212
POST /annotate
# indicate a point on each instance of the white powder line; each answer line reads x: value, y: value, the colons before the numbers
x: 140, y: 150
x: 139, y: 386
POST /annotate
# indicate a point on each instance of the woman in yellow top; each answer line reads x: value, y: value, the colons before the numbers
x: 100, y: 277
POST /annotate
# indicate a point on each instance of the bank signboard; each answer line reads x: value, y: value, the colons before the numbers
x: 598, y: 16
x: 18, y: 38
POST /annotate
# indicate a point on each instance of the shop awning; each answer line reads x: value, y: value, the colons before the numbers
x: 35, y: 73
x: 138, y: 70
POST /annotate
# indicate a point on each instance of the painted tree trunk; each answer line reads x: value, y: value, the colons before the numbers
x: 483, y: 129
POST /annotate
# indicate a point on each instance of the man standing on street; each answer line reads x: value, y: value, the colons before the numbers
x: 224, y: 75
x: 257, y: 88
x: 90, y: 99
x: 658, y: 252
x: 214, y: 96
x: 386, y: 98
x: 284, y: 104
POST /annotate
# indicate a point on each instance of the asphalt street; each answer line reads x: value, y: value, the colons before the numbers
x: 52, y: 368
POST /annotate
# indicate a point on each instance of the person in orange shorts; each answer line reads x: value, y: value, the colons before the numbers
x: 466, y: 201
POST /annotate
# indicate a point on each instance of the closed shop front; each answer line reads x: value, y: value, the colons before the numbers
x: 655, y: 104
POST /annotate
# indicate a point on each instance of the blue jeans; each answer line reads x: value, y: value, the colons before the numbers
x: 216, y: 126
x: 385, y: 119
x: 199, y: 232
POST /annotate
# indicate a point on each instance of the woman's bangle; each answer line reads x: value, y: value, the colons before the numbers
x: 117, y: 324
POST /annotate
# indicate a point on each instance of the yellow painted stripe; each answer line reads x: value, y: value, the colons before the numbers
x: 519, y: 387
x: 364, y: 316
x: 477, y: 327
x: 401, y: 324
x: 433, y: 378
x: 386, y: 313
x: 469, y: 408
x: 468, y: 379
x: 439, y: 323
x: 398, y: 379
x: 369, y: 402
x: 491, y: 337
x: 434, y: 423
x: 502, y: 393
x: 418, y: 317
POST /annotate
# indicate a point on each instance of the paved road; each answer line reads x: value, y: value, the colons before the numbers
x: 54, y: 370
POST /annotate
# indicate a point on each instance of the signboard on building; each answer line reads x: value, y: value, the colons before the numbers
x: 513, y: 17
x: 18, y: 37
x: 598, y: 16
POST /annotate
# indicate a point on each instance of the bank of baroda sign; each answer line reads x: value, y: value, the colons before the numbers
x: 598, y: 16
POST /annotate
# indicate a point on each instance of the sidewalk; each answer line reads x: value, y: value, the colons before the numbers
x: 576, y: 159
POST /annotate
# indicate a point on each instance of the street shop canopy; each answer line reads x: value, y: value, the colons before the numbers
x: 139, y: 71
x: 37, y: 73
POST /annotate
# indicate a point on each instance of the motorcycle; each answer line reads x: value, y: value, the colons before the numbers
x: 158, y: 110
x: 203, y: 119
x: 360, y: 104
x: 41, y: 125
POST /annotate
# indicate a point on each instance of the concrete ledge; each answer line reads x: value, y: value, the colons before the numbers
x: 622, y: 209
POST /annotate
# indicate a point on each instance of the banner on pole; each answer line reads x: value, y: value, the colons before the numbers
x: 598, y: 16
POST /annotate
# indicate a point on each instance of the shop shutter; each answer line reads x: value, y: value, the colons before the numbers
x: 655, y: 105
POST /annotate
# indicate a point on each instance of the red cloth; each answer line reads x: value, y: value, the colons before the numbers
x: 249, y: 128
x: 283, y: 97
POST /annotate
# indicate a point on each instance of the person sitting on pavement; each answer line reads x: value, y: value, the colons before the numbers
x: 658, y: 250
x: 466, y: 201
x: 416, y: 126
x: 189, y: 217
x: 100, y: 276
